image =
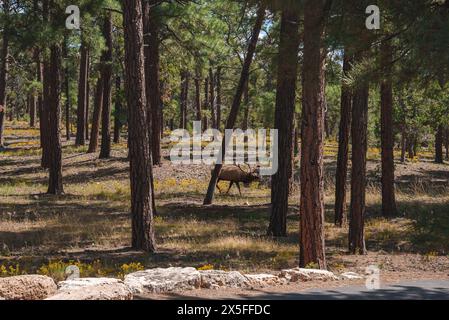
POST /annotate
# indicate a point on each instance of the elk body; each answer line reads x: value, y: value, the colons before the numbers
x: 236, y: 175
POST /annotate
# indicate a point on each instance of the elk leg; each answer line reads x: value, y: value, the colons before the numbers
x: 230, y: 186
x: 238, y: 186
x: 218, y: 187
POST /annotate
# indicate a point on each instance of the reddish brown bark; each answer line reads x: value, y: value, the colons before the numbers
x: 343, y: 145
x: 387, y: 135
x: 284, y: 120
x: 82, y: 97
x: 138, y: 143
x: 98, y: 105
x: 312, y: 143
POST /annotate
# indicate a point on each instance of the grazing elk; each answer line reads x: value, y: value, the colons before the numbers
x: 235, y: 174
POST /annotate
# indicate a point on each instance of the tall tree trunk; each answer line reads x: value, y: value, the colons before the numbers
x: 446, y: 142
x: 86, y: 126
x: 284, y: 120
x: 184, y: 99
x: 105, y: 151
x: 212, y: 98
x: 33, y: 105
x: 343, y: 144
x: 139, y: 149
x: 439, y: 145
x: 219, y: 97
x: 98, y: 106
x: 67, y: 91
x: 312, y: 142
x: 387, y: 136
x: 199, y: 116
x: 118, y: 110
x: 82, y: 96
x: 4, y: 74
x: 245, y: 123
x: 152, y: 89
x: 206, y: 102
x: 358, y: 175
x: 403, y: 143
x: 230, y: 123
x: 54, y: 143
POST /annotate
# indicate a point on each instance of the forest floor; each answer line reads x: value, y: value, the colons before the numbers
x: 90, y: 225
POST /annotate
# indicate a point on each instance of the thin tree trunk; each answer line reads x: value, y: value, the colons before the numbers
x: 212, y: 98
x: 312, y: 142
x: 118, y: 110
x: 230, y: 123
x: 403, y: 143
x: 82, y: 97
x: 86, y: 126
x: 184, y: 98
x: 387, y: 136
x: 446, y: 142
x: 105, y: 151
x: 343, y: 145
x: 4, y: 74
x: 67, y: 91
x: 439, y: 145
x: 54, y: 144
x: 284, y: 120
x: 98, y: 106
x: 33, y: 105
x: 199, y: 116
x: 139, y: 148
x: 219, y: 97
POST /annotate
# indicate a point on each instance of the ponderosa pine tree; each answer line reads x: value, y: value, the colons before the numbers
x: 387, y: 134
x: 138, y: 143
x: 96, y: 117
x: 106, y: 75
x: 4, y: 70
x: 284, y: 118
x: 343, y: 143
x: 152, y: 44
x: 312, y: 133
x: 83, y: 96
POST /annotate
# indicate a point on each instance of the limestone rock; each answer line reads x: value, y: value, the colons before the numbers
x: 350, y: 276
x: 215, y: 279
x: 27, y: 287
x: 264, y: 280
x: 301, y: 274
x: 92, y: 289
x: 163, y: 280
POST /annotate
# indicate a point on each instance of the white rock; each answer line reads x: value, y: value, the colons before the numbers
x: 163, y: 280
x: 350, y: 276
x: 263, y: 280
x: 92, y: 289
x: 27, y: 287
x: 301, y: 274
x: 215, y: 279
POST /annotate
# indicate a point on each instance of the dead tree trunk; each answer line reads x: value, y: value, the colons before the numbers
x: 343, y: 145
x: 284, y: 120
x: 312, y: 143
x: 237, y: 100
x: 138, y: 143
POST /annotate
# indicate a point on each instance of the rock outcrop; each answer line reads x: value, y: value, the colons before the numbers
x: 27, y: 287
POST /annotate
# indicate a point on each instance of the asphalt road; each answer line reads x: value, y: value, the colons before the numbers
x: 413, y: 290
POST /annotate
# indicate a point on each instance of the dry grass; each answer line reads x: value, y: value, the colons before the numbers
x: 90, y: 223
